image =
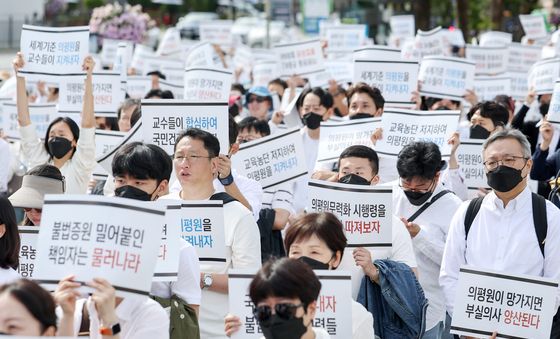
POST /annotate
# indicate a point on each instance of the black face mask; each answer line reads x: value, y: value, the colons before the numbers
x: 479, y: 132
x: 543, y: 108
x: 314, y: 264
x: 417, y: 198
x: 132, y: 192
x: 59, y: 147
x: 360, y: 116
x: 312, y: 120
x: 504, y: 178
x: 279, y: 328
x: 353, y: 179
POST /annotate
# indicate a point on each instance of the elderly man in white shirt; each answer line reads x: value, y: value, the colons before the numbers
x: 502, y: 234
x: 425, y: 208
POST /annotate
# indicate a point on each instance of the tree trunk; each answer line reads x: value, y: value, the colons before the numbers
x: 496, y: 11
x: 422, y: 14
x: 463, y: 18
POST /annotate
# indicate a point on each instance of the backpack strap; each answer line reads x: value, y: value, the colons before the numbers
x: 539, y: 219
x: 226, y: 198
x: 428, y: 204
x: 472, y: 211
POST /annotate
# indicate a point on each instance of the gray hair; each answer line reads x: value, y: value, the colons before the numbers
x: 510, y: 133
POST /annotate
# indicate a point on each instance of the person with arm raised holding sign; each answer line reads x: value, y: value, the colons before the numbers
x: 426, y: 208
x: 142, y: 172
x: 66, y: 146
x: 197, y: 165
x: 509, y: 230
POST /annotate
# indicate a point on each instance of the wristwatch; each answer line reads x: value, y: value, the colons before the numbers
x: 110, y: 330
x: 207, y: 281
x: 227, y: 180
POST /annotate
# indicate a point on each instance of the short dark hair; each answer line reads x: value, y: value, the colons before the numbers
x: 288, y: 278
x: 233, y: 130
x: 47, y: 171
x: 278, y: 81
x: 419, y: 159
x: 238, y: 87
x: 38, y: 302
x: 254, y: 124
x: 361, y: 151
x: 10, y: 242
x: 167, y: 94
x: 491, y: 110
x: 154, y: 93
x: 325, y: 225
x: 428, y: 102
x: 211, y: 143
x: 506, y: 101
x: 142, y: 161
x: 373, y: 92
x: 325, y: 97
x: 73, y: 128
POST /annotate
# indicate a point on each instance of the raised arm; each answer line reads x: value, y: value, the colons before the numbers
x: 22, y: 105
x: 88, y: 115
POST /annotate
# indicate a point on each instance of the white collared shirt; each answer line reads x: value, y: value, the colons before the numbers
x: 429, y: 243
x: 502, y: 239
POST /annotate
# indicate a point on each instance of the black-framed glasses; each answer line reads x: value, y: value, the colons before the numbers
x: 285, y: 311
x: 508, y: 161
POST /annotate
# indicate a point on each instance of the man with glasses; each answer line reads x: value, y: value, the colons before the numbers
x: 502, y: 234
x: 426, y: 208
x: 259, y: 102
x: 196, y: 164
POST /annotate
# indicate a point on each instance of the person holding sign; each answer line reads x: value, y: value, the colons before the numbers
x: 9, y: 243
x: 142, y: 172
x: 364, y: 101
x: 40, y: 180
x: 196, y: 164
x: 486, y: 118
x: 26, y: 309
x: 63, y: 147
x: 125, y: 112
x: 426, y: 208
x: 285, y: 294
x: 509, y: 230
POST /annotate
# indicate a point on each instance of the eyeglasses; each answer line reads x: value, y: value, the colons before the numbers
x: 38, y: 210
x: 284, y: 311
x: 508, y: 161
x: 421, y: 190
x: 189, y: 158
x: 257, y: 99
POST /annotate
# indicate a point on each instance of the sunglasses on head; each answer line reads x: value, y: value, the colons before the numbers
x: 285, y: 311
x: 257, y: 99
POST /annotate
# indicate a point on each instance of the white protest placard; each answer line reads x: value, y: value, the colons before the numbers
x: 167, y: 266
x: 265, y: 71
x: 176, y: 89
x: 157, y: 63
x: 300, y: 58
x: 174, y: 75
x: 345, y: 38
x: 138, y: 86
x: 554, y: 108
x: 446, y: 77
x: 340, y: 70
x: 533, y: 26
x: 203, y: 225
x: 402, y: 127
x: 105, y: 142
x: 514, y: 305
x: 163, y: 119
x: 217, y: 32
x: 395, y: 79
x: 96, y: 236
x: 170, y: 43
x: 108, y: 93
x: 140, y: 53
x: 365, y: 211
x: 207, y: 84
x: 133, y: 135
x: 51, y: 52
x: 377, y: 53
x: 402, y: 26
x: 272, y: 160
x: 337, y: 136
x: 487, y: 87
x: 29, y: 236
x: 469, y: 157
x: 109, y: 51
x: 333, y: 312
x: 41, y: 116
x: 495, y: 38
x: 431, y: 42
x: 123, y: 57
x: 488, y: 59
x: 543, y: 74
x: 519, y: 87
x: 522, y: 57
x: 318, y: 79
x: 292, y: 118
x: 202, y: 55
